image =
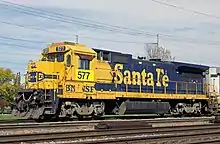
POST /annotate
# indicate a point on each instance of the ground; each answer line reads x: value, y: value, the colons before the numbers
x: 8, y: 117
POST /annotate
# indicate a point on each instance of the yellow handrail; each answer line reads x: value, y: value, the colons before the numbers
x: 179, y: 87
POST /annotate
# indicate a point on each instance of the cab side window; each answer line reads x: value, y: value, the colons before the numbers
x: 68, y: 60
x: 51, y: 57
x: 60, y: 57
x: 84, y: 64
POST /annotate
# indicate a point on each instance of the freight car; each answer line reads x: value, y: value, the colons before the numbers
x: 72, y: 80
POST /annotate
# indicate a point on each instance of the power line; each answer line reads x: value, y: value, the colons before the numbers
x: 25, y: 40
x: 110, y: 40
x: 11, y: 53
x: 114, y: 41
x: 16, y: 45
x: 184, y: 9
x: 64, y: 34
x: 34, y: 28
x: 71, y: 21
x: 103, y: 25
x: 10, y: 62
x: 75, y: 19
x: 94, y: 23
x: 172, y: 38
x: 29, y: 47
x: 214, y: 43
x: 98, y: 39
x: 77, y: 37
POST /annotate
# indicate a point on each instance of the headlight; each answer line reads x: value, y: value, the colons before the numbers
x: 33, y: 65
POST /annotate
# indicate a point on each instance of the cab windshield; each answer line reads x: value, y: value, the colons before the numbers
x: 53, y: 57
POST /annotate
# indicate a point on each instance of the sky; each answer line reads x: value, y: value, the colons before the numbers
x: 191, y: 35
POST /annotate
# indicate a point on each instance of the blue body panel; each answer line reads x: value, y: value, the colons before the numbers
x: 176, y: 71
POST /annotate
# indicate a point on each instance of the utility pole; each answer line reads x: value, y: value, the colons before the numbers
x: 157, y: 40
x: 19, y: 79
x: 77, y: 39
x: 156, y: 43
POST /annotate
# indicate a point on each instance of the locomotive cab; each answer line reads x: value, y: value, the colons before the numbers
x: 65, y: 70
x: 61, y: 63
x: 43, y: 73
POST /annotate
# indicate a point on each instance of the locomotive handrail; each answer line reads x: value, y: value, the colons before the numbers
x: 181, y: 87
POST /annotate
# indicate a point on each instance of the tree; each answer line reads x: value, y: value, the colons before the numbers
x: 8, y: 86
x: 155, y: 52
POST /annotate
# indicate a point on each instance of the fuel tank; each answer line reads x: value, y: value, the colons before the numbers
x: 144, y: 107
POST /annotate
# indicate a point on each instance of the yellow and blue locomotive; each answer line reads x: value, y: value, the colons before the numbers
x: 74, y: 80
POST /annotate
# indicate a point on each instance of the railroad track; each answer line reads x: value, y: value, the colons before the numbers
x: 135, y: 134
x: 29, y: 126
x: 106, y: 117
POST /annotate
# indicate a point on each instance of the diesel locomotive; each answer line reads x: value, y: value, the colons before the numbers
x: 73, y: 80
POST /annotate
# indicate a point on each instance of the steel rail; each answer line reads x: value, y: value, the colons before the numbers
x: 77, y: 135
x: 212, y: 141
x: 183, y: 138
x: 28, y: 121
x: 66, y: 124
x: 30, y: 127
x: 12, y: 121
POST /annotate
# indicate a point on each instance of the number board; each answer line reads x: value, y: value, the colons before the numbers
x: 60, y: 48
x: 84, y: 75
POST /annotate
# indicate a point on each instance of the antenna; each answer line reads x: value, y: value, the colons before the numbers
x: 77, y: 39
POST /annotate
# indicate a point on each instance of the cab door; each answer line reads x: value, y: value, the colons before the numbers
x: 68, y: 76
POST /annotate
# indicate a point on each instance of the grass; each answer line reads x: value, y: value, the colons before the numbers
x: 8, y: 117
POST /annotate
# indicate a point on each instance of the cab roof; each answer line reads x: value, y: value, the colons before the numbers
x: 66, y: 46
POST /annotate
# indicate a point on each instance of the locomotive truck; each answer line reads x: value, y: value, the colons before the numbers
x: 73, y: 80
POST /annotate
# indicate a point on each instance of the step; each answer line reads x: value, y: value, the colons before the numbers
x: 47, y: 107
x: 48, y: 101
